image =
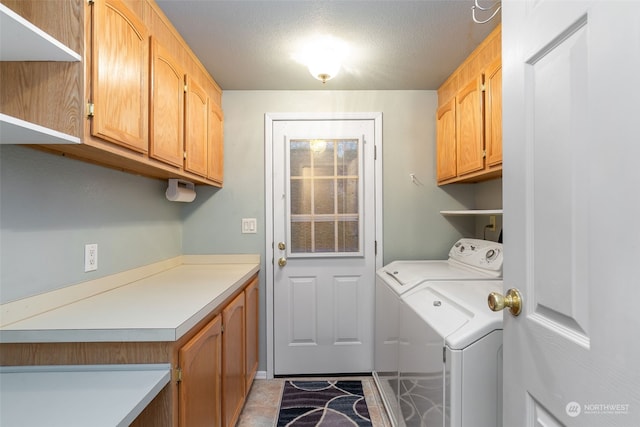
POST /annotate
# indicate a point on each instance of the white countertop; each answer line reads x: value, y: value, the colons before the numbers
x: 81, y: 395
x: 160, y: 307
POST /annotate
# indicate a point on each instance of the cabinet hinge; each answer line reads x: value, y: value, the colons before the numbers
x: 222, y: 328
x: 483, y: 87
x: 375, y: 152
x: 177, y: 375
x: 90, y: 107
x: 375, y: 247
x: 444, y: 354
x: 484, y: 154
x: 185, y: 88
x: 184, y: 154
x: 90, y: 1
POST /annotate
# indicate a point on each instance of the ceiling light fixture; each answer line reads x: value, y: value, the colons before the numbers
x: 318, y: 145
x: 323, y: 57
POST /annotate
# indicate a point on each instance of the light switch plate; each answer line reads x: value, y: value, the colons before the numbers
x: 249, y: 225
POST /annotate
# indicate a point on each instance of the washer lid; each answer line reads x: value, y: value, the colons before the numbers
x: 468, y: 297
x: 440, y: 313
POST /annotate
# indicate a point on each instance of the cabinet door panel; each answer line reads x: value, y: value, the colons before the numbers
x: 120, y: 76
x: 446, y: 141
x: 252, y: 300
x: 216, y: 144
x: 200, y: 388
x: 233, y: 360
x: 493, y: 119
x: 167, y: 107
x: 196, y: 135
x: 470, y: 145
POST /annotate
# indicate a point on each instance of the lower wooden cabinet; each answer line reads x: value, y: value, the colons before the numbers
x: 252, y: 303
x: 214, y: 364
x: 218, y: 365
x: 233, y: 360
x: 215, y: 371
x: 200, y: 377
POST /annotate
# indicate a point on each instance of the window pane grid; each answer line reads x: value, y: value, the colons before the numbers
x: 324, y: 203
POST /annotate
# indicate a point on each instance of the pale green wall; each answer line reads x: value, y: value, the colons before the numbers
x: 413, y: 226
x: 51, y: 206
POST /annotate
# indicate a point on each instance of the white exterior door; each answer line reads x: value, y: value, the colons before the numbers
x: 324, y: 245
x: 571, y: 212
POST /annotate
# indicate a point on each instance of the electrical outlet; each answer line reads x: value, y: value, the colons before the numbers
x: 492, y: 223
x: 249, y: 225
x: 90, y: 257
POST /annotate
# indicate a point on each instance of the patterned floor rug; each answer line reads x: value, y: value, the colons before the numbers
x: 323, y: 404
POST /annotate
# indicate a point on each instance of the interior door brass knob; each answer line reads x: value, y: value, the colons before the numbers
x: 513, y: 300
x: 282, y: 261
x: 282, y: 246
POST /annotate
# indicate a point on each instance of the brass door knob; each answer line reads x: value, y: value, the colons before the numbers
x: 513, y: 300
x: 282, y: 246
x: 282, y: 261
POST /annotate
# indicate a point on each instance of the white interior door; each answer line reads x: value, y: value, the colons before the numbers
x: 572, y: 208
x: 324, y: 234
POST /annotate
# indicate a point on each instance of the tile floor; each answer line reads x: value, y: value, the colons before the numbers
x: 261, y: 408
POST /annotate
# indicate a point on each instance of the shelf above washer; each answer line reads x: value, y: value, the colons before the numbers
x: 472, y: 212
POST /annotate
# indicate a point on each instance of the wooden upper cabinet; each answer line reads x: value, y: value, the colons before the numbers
x: 469, y: 130
x: 166, y: 140
x: 215, y: 170
x: 469, y: 117
x: 493, y: 113
x: 196, y: 131
x: 233, y: 360
x: 123, y: 102
x: 199, y: 390
x: 120, y: 76
x: 446, y: 141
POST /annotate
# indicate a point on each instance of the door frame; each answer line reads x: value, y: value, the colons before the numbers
x: 269, y: 118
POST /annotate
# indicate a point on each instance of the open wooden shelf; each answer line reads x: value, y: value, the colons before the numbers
x: 16, y: 131
x: 20, y: 40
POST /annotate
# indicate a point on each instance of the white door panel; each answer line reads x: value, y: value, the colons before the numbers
x: 324, y: 231
x: 571, y: 185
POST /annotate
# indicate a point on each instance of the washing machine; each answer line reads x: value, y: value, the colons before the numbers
x: 469, y: 260
x: 451, y: 356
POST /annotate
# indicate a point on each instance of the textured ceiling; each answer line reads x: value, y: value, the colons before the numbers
x: 393, y: 45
